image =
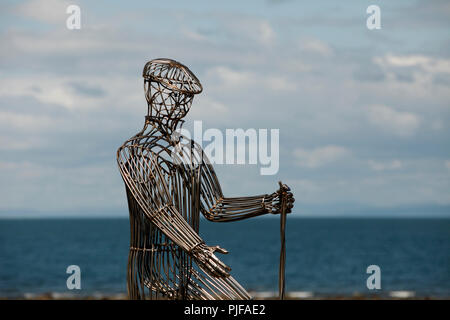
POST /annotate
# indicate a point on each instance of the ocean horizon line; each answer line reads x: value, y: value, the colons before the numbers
x: 296, y: 217
x: 307, y: 211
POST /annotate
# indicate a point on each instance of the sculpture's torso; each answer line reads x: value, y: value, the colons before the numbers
x: 165, y: 268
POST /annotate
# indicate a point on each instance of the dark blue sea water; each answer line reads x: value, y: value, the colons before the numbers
x: 324, y: 256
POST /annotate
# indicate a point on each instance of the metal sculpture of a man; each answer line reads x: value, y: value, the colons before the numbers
x: 169, y: 182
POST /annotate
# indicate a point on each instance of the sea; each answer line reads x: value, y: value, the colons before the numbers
x: 325, y: 257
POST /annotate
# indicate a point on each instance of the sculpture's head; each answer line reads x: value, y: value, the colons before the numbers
x: 169, y: 89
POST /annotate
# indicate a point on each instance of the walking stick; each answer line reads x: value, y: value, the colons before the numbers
x: 281, y: 285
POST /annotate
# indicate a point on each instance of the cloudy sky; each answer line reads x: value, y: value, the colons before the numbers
x: 363, y: 114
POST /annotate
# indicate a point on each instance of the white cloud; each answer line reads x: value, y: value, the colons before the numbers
x: 437, y: 125
x: 14, y: 143
x: 386, y: 118
x: 403, y: 61
x: 309, y: 189
x: 23, y: 121
x: 205, y: 108
x: 230, y: 77
x: 234, y: 79
x: 49, y: 11
x: 266, y: 33
x: 319, y: 156
x: 316, y: 46
x: 447, y: 164
x: 280, y: 83
x: 59, y: 90
x: 258, y: 31
x: 22, y: 170
x: 48, y: 90
x: 428, y: 64
x: 90, y: 39
x: 190, y: 34
x: 96, y: 184
x: 382, y: 166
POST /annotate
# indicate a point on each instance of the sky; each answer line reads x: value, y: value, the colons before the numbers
x: 362, y: 113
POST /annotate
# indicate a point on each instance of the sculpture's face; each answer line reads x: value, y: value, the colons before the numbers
x: 169, y: 89
x: 166, y: 103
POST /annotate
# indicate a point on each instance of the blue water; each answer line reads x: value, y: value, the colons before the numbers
x: 324, y: 256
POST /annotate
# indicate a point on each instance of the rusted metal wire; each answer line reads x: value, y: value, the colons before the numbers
x: 284, y: 204
x: 169, y: 182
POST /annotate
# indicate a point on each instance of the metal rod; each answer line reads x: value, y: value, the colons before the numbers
x: 281, y: 277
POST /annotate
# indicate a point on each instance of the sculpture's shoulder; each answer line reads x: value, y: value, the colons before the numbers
x: 167, y: 154
x: 145, y: 144
x: 152, y: 147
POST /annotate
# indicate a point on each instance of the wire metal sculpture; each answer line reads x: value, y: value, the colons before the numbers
x: 169, y: 182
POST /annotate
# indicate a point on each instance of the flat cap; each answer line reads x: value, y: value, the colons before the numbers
x: 172, y: 75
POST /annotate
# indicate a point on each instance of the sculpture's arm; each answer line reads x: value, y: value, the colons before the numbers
x: 146, y: 182
x: 216, y: 207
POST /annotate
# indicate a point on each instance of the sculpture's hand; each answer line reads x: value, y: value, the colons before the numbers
x: 283, y: 193
x: 207, y: 260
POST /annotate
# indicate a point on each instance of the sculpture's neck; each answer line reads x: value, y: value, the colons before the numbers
x: 164, y: 127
